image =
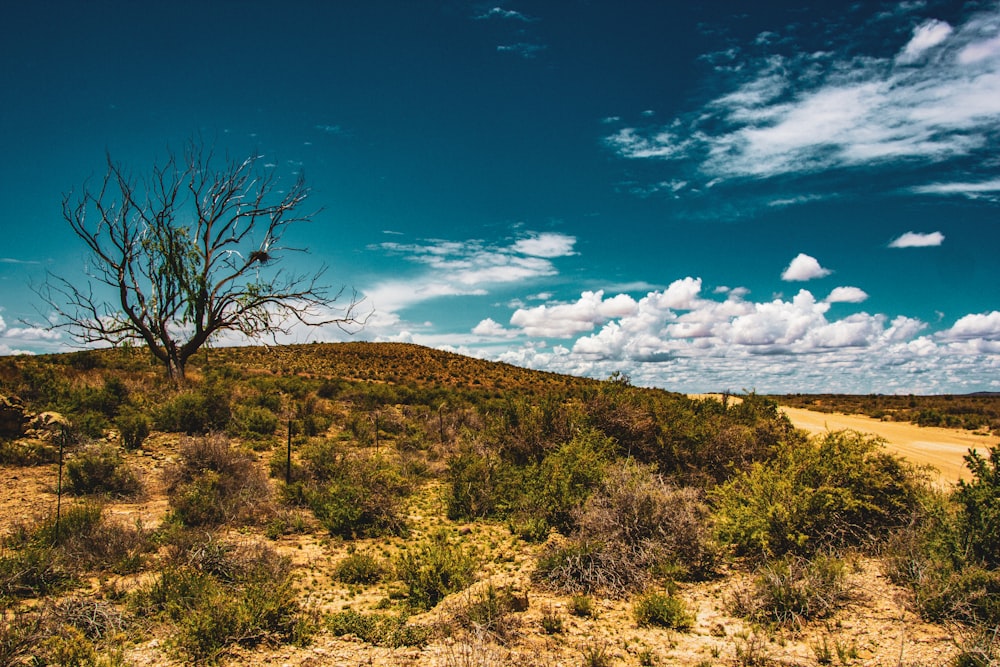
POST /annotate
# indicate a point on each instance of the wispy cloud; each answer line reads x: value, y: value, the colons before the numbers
x: 523, y: 49
x: 11, y: 260
x: 936, y: 100
x: 804, y: 267
x: 918, y: 240
x: 470, y: 267
x: 972, y: 190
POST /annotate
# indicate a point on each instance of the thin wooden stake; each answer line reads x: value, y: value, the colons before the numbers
x: 62, y: 446
x: 288, y: 457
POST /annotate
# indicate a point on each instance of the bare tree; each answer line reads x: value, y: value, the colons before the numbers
x: 187, y: 253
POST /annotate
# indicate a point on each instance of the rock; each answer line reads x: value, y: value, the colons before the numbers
x: 45, y: 425
x: 13, y: 417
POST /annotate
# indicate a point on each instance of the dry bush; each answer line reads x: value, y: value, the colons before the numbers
x: 215, y: 484
x: 793, y: 591
x: 636, y: 525
x: 490, y: 611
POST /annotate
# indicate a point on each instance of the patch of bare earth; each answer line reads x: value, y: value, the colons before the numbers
x: 941, y: 448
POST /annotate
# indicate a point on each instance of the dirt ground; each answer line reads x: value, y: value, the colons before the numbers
x: 942, y: 448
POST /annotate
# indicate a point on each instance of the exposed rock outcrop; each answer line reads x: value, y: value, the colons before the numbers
x: 13, y: 417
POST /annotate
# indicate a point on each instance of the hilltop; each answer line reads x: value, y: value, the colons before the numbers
x: 388, y: 504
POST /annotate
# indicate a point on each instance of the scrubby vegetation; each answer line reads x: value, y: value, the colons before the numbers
x: 408, y: 498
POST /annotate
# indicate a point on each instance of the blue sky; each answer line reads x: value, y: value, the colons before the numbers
x: 730, y: 196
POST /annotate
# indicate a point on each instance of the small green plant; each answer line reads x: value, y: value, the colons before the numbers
x: 435, y: 568
x: 552, y: 621
x: 657, y: 608
x: 582, y: 606
x: 596, y: 654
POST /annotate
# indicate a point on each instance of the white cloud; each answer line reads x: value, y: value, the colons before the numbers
x: 697, y: 343
x: 491, y: 328
x: 803, y: 113
x: 472, y: 267
x: 847, y: 295
x: 984, y: 326
x: 568, y: 319
x: 918, y: 240
x: 967, y: 189
x: 629, y: 143
x: 501, y: 13
x: 804, y: 267
x: 926, y: 36
x: 547, y: 245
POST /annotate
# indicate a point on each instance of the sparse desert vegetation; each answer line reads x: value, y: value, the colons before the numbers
x: 393, y: 505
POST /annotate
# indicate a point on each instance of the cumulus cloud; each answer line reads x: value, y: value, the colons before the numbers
x: 975, y: 326
x: 568, y: 319
x: 804, y: 267
x: 682, y: 339
x: 493, y: 329
x: 918, y: 240
x: 847, y: 295
x: 805, y: 112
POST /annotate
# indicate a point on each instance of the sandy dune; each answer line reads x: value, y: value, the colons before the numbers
x: 942, y: 448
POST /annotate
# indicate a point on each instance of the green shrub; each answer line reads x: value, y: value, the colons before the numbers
x: 360, y: 568
x: 434, y: 569
x: 28, y: 452
x: 841, y: 490
x: 661, y: 609
x: 354, y: 495
x: 134, y: 427
x: 253, y: 422
x: 377, y: 629
x: 224, y: 596
x: 559, y: 486
x: 195, y: 412
x: 980, y: 502
x: 582, y: 606
x: 85, y: 538
x: 101, y: 469
x: 32, y: 571
x: 481, y: 484
x: 22, y: 630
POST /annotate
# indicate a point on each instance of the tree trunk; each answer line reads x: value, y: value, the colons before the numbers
x: 176, y: 369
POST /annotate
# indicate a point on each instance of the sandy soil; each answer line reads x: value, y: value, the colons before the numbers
x: 942, y: 448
